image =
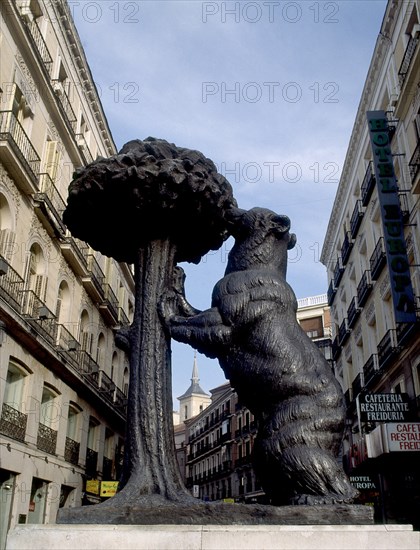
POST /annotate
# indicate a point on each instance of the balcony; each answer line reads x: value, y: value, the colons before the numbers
x: 65, y: 105
x: 11, y: 286
x: 364, y: 288
x: 75, y: 253
x: 343, y: 332
x: 109, y: 308
x: 47, y: 439
x: 367, y: 185
x: 120, y: 399
x: 49, y: 207
x: 370, y: 368
x: 94, y: 282
x: 346, y: 248
x: 84, y: 149
x: 414, y: 167
x: 18, y: 153
x: 39, y: 45
x: 356, y: 218
x: 123, y: 319
x: 406, y: 62
x: 404, y: 207
x: 39, y: 316
x: 91, y: 463
x: 106, y: 386
x: 387, y: 348
x: 335, y: 349
x: 13, y: 423
x: 87, y: 366
x: 377, y: 260
x: 331, y: 292
x: 71, y: 451
x: 353, y: 312
x: 338, y: 273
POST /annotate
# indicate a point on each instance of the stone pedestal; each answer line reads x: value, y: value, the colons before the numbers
x: 213, y: 537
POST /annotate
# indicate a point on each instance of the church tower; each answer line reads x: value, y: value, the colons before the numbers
x: 195, y: 399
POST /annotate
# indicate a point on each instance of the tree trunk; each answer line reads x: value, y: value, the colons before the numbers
x: 150, y: 465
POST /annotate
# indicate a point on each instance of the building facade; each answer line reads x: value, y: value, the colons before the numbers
x: 62, y: 380
x: 371, y: 251
x: 220, y: 439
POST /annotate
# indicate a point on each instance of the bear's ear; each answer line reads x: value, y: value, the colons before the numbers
x: 282, y: 224
x: 292, y: 241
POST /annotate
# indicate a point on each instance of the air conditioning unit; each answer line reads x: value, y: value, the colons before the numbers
x: 58, y: 88
x: 415, y: 33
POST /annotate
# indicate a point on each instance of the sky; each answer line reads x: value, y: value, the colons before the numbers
x: 268, y: 90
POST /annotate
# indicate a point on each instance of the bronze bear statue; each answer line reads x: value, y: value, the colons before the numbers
x: 277, y: 371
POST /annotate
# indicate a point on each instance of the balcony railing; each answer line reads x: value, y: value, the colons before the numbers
x: 414, y: 164
x: 11, y: 286
x: 84, y: 148
x: 356, y: 218
x: 123, y: 318
x: 52, y: 199
x: 13, y: 133
x: 352, y: 312
x: 75, y: 252
x: 110, y: 306
x: 357, y: 385
x: 106, y: 386
x: 343, y: 332
x: 370, y: 368
x: 406, y: 62
x: 367, y: 185
x: 13, y: 423
x: 387, y: 347
x: 47, y: 439
x: 332, y: 291
x: 377, y: 260
x: 338, y: 273
x: 65, y: 104
x: 346, y: 248
x: 71, y: 451
x: 96, y: 273
x: 91, y: 463
x: 40, y: 46
x: 87, y: 365
x: 364, y: 288
x: 120, y: 398
x: 38, y: 315
x: 335, y: 349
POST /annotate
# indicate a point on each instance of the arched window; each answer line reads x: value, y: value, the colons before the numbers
x: 36, y: 280
x: 125, y: 381
x: 62, y: 309
x: 7, y: 235
x: 85, y: 332
x: 100, y: 349
x: 114, y: 366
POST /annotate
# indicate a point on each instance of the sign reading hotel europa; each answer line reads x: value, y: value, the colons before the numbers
x: 383, y: 407
x: 395, y: 246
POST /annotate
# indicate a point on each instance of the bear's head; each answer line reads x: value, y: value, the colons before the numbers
x: 262, y: 238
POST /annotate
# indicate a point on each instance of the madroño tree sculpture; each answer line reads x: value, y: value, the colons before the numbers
x: 153, y: 204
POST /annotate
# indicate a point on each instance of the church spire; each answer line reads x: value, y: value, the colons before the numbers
x: 194, y: 378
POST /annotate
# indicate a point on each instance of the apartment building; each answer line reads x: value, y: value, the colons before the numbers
x: 371, y: 251
x: 63, y: 382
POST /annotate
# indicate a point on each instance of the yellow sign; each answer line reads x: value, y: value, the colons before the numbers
x: 229, y: 500
x: 92, y: 486
x: 109, y: 488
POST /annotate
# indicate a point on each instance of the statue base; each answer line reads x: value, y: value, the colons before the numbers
x: 216, y: 514
x: 212, y: 537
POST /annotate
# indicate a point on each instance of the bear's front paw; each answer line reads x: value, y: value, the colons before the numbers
x: 168, y: 306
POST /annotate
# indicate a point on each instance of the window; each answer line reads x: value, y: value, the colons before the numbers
x: 85, y: 332
x: 52, y: 157
x: 36, y: 280
x: 62, y: 309
x: 100, y: 349
x: 7, y: 235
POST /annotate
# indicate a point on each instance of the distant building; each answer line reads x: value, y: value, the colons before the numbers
x: 63, y: 382
x: 220, y: 439
x: 372, y: 253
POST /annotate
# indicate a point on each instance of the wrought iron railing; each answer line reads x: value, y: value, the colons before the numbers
x: 38, y: 315
x: 12, y: 131
x: 84, y: 148
x: 364, y: 288
x: 387, y: 347
x: 87, y: 365
x: 65, y: 104
x: 123, y: 318
x: 408, y: 57
x: 13, y: 422
x: 338, y: 273
x: 352, y: 312
x: 11, y: 286
x: 120, y: 399
x: 346, y: 248
x: 414, y: 164
x: 50, y: 194
x: 356, y: 218
x: 47, y: 439
x: 343, y: 332
x: 96, y: 273
x: 357, y: 385
x: 106, y: 386
x: 367, y: 184
x: 331, y: 293
x: 71, y: 451
x: 377, y: 260
x: 40, y: 46
x: 111, y: 300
